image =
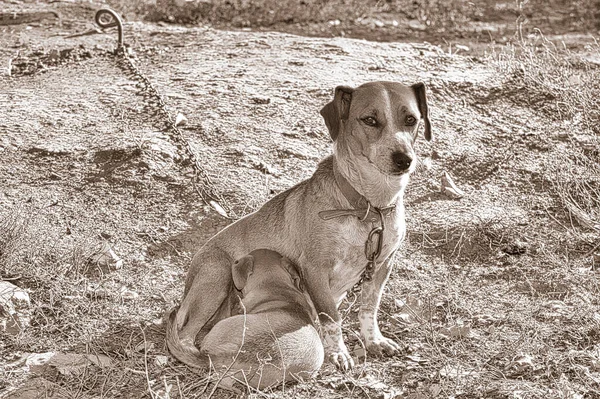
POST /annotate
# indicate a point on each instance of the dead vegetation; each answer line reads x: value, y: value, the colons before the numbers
x: 577, y: 184
x: 553, y: 79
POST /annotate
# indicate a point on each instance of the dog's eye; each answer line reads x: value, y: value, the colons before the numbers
x: 370, y: 121
x: 410, y: 120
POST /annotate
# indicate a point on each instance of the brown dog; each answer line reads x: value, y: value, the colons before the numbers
x: 341, y: 226
x: 274, y: 339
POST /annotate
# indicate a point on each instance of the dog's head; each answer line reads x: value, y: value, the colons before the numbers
x: 375, y: 125
x: 261, y: 268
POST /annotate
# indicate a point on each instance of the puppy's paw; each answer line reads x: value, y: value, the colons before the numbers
x: 341, y: 358
x: 380, y: 345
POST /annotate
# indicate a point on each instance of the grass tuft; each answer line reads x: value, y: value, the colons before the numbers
x: 538, y: 73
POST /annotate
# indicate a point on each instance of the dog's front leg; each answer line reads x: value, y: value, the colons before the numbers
x: 331, y: 323
x: 370, y: 298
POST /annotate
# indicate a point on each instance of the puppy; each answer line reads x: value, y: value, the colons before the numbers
x: 274, y: 339
x: 341, y: 226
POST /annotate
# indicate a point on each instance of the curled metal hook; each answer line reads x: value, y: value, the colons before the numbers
x: 115, y: 20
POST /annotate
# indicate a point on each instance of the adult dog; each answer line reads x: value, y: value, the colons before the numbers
x: 341, y: 226
x: 274, y: 339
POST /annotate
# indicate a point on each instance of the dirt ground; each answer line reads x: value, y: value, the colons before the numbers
x: 494, y: 295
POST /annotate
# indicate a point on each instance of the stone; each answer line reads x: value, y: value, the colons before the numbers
x: 450, y: 188
x: 160, y: 144
x: 36, y: 361
x: 15, y: 308
x: 71, y: 364
x: 106, y: 257
x: 38, y: 388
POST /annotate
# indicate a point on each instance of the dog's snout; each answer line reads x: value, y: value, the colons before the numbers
x: 401, y: 160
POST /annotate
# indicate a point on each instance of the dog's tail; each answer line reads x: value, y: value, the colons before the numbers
x: 187, y: 354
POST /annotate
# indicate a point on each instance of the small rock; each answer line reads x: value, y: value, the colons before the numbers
x: 66, y: 364
x: 128, y: 295
x: 180, y: 119
x: 37, y: 388
x: 415, y: 24
x: 15, y: 308
x: 457, y: 331
x: 427, y: 163
x: 449, y: 188
x: 106, y: 257
x: 515, y: 248
x: 73, y: 364
x: 36, y: 361
x: 160, y: 144
x: 261, y: 100
x: 93, y: 292
x: 435, y: 390
x: 161, y: 360
x: 359, y: 352
x: 262, y: 166
x: 53, y: 56
x: 217, y: 207
x: 99, y: 360
x: 522, y: 363
x: 51, y: 149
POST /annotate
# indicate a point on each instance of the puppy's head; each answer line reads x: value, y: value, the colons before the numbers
x: 261, y: 268
x: 376, y: 125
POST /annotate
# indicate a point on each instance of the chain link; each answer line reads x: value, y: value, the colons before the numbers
x: 202, y: 181
x: 372, y: 252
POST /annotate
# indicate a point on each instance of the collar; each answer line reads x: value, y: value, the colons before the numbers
x: 362, y: 208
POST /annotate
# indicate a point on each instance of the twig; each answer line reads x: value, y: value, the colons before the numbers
x: 280, y: 354
x: 86, y: 33
x: 588, y: 253
x: 152, y: 394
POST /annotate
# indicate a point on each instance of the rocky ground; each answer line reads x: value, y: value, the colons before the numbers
x: 495, y: 293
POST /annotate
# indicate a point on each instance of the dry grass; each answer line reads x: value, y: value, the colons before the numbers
x: 577, y: 184
x: 552, y: 79
x: 265, y: 13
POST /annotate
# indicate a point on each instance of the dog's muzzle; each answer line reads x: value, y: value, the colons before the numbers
x: 401, y: 161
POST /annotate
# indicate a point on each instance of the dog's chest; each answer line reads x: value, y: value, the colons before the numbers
x: 353, y: 237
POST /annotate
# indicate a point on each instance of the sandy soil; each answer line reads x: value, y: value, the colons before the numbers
x: 494, y: 295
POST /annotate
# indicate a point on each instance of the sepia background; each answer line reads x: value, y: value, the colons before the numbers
x: 495, y: 293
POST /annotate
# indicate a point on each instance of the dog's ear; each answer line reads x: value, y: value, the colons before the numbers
x: 337, y: 109
x: 241, y: 270
x: 294, y: 271
x: 419, y: 89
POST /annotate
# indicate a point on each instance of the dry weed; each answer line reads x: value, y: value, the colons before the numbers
x: 551, y: 78
x: 575, y: 178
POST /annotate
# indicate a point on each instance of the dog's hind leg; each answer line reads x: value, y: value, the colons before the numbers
x: 207, y: 288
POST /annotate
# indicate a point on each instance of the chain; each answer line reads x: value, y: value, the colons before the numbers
x: 372, y: 251
x: 204, y: 185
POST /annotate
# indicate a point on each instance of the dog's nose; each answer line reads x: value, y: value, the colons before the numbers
x: 401, y: 160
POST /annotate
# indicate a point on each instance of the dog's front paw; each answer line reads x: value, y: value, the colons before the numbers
x: 341, y: 358
x: 380, y: 345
